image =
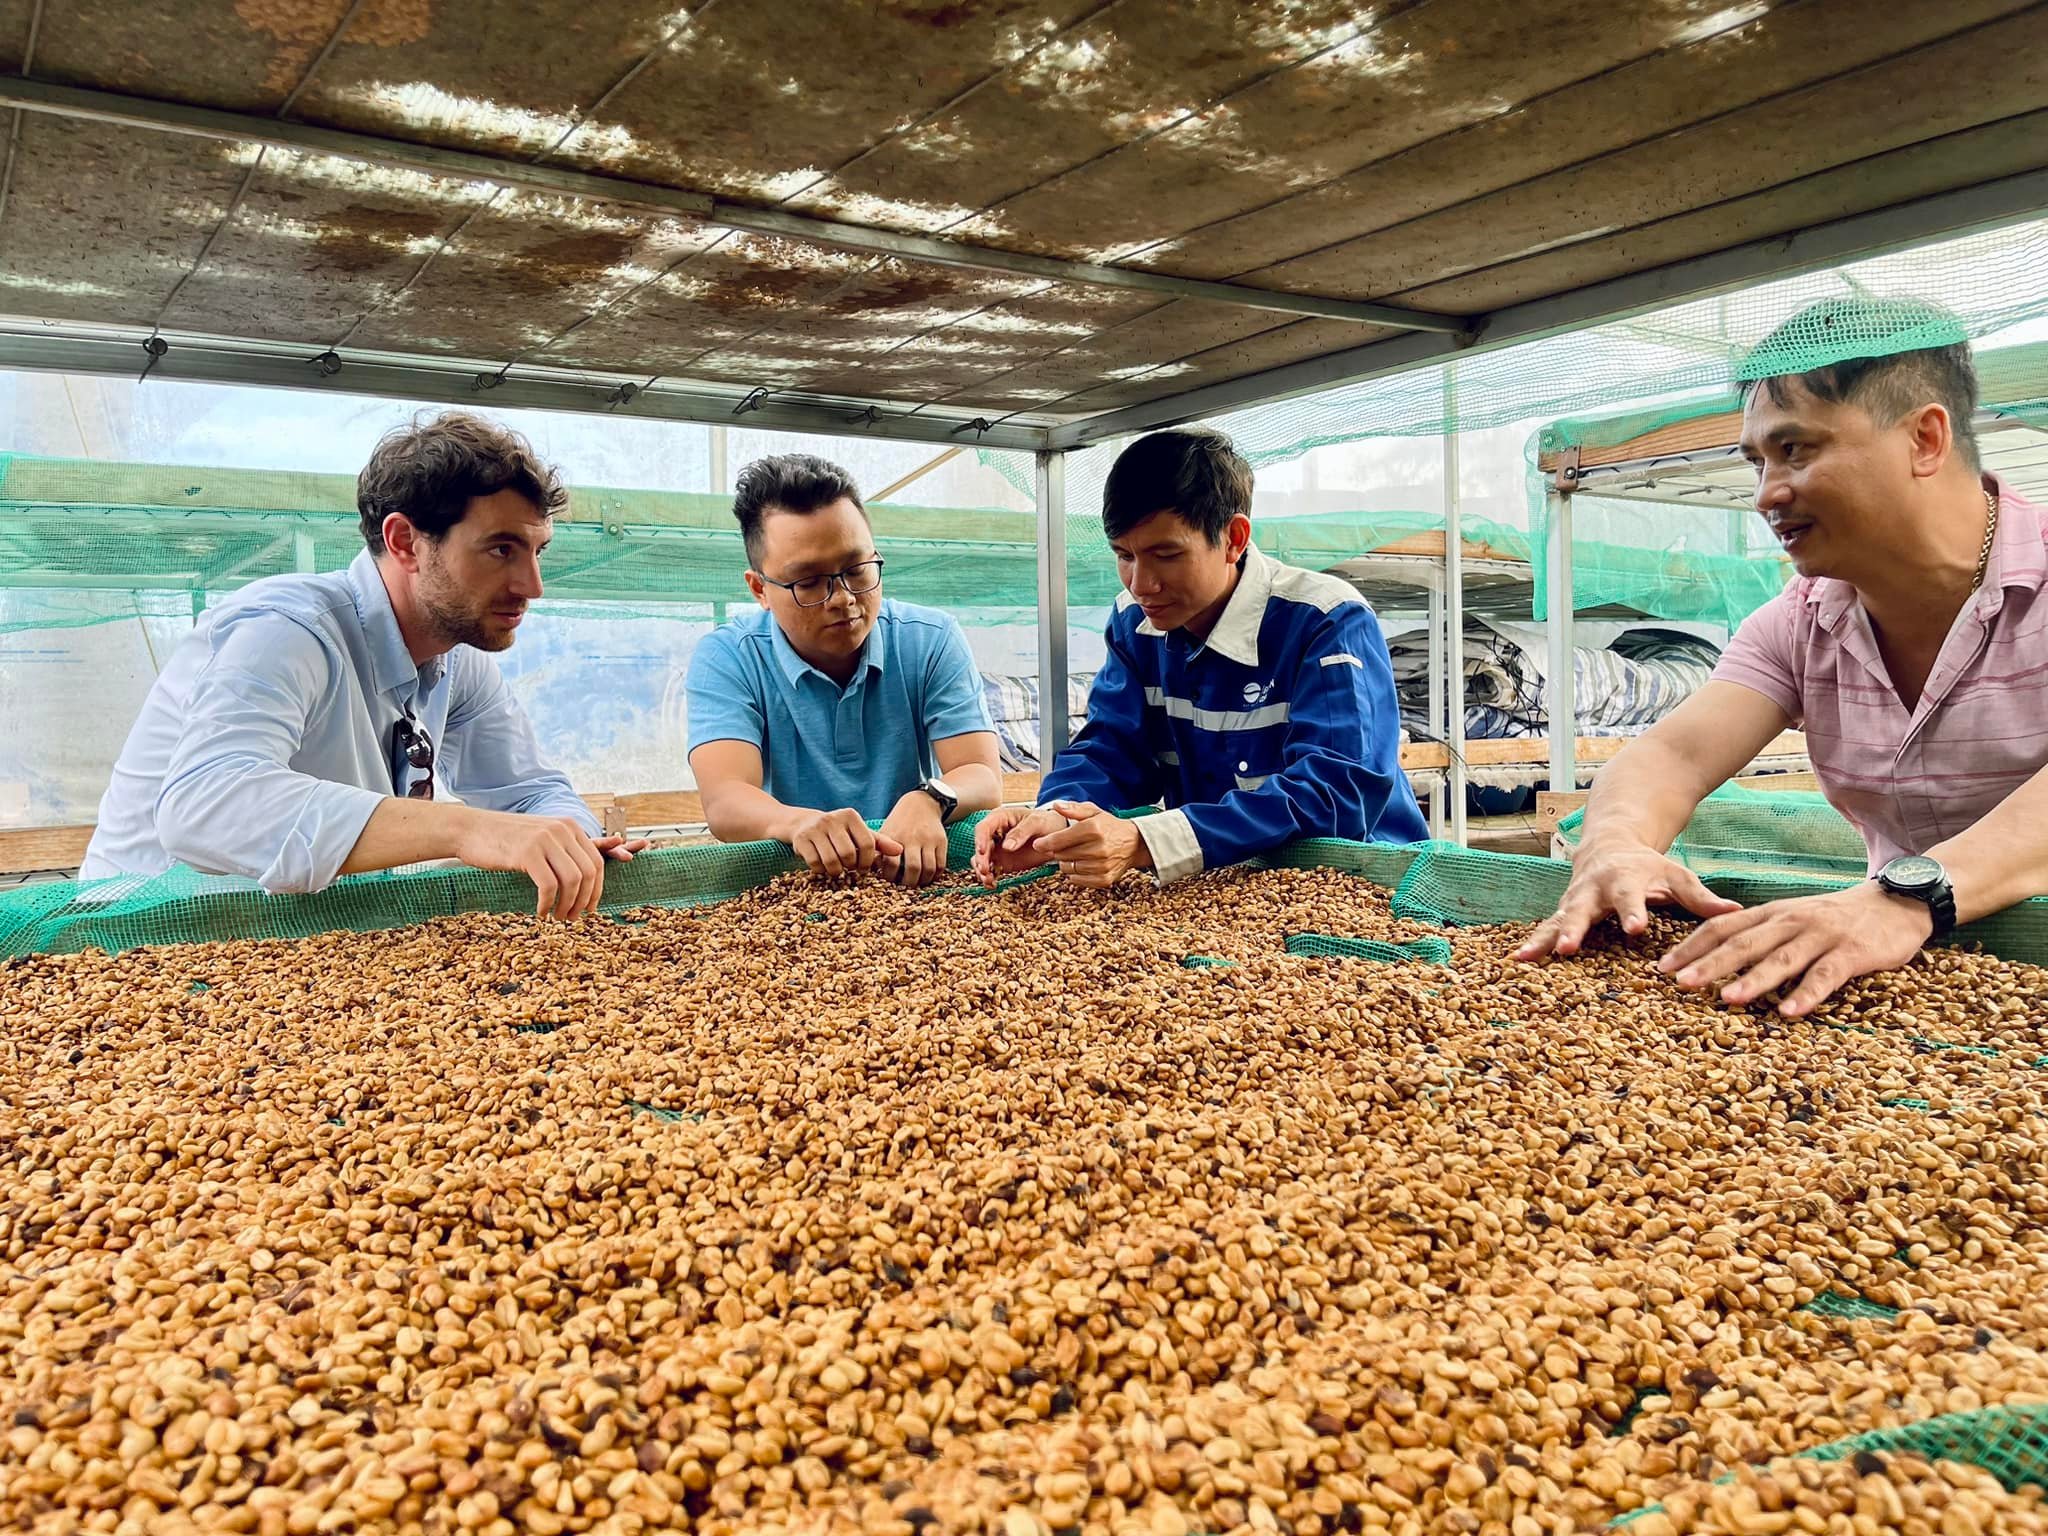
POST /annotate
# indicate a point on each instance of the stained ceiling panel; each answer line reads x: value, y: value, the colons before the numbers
x: 1455, y: 156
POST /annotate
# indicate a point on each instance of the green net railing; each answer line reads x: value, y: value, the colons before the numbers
x: 1437, y: 883
x: 1737, y: 829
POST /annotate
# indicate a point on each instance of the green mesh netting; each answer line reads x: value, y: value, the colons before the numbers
x: 1669, y: 365
x: 1428, y: 950
x: 1849, y: 1308
x: 1442, y: 885
x: 1736, y: 828
x: 2009, y: 1443
x: 1852, y: 325
x: 84, y: 543
x: 183, y: 907
x: 1435, y: 882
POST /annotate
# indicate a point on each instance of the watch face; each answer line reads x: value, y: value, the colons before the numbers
x: 1913, y: 872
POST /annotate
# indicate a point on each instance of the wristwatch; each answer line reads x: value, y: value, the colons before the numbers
x: 944, y: 793
x: 1923, y: 879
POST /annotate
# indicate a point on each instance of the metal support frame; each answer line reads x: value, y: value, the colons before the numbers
x: 68, y: 347
x: 1052, y: 608
x: 462, y: 381
x: 1454, y: 607
x: 1561, y: 687
x: 721, y: 474
x: 524, y: 176
x: 1984, y: 206
x: 1439, y: 712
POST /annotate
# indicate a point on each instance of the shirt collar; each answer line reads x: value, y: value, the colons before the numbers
x: 2019, y: 561
x: 1236, y: 634
x: 391, y: 664
x: 2019, y: 555
x: 796, y: 669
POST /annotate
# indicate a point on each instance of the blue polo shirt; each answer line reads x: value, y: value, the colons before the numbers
x: 824, y: 747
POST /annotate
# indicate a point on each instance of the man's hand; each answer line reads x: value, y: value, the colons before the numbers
x: 1003, y: 841
x: 1097, y: 849
x: 565, y: 864
x: 918, y: 826
x: 619, y: 850
x: 1823, y: 942
x: 1625, y: 879
x: 839, y: 842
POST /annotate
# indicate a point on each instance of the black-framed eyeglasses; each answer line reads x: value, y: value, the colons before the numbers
x: 412, y: 743
x: 816, y: 591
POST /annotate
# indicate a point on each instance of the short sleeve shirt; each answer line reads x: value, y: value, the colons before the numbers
x: 825, y: 747
x: 1910, y: 779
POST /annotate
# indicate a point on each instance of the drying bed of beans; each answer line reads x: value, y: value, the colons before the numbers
x: 858, y: 1209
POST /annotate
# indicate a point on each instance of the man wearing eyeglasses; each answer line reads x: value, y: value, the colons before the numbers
x: 297, y: 733
x: 829, y: 707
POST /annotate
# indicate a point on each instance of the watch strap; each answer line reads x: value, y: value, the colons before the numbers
x: 1939, y: 898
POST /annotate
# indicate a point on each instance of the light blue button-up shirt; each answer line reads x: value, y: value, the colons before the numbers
x: 267, y: 742
x: 824, y: 747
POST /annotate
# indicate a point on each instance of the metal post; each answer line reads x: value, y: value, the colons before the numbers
x: 1454, y: 606
x: 1562, y: 689
x: 721, y: 484
x: 1052, y: 607
x: 1437, y: 712
x: 303, y: 558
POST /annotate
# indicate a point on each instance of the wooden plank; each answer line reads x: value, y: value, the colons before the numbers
x: 1430, y: 545
x: 1719, y: 430
x: 1534, y: 751
x: 662, y: 808
x: 1508, y: 834
x: 1553, y: 805
x: 608, y: 812
x: 30, y: 849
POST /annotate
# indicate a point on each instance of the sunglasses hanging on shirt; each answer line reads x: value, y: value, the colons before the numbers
x: 410, y: 742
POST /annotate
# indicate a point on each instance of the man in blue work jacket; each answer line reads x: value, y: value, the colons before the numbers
x: 1256, y: 700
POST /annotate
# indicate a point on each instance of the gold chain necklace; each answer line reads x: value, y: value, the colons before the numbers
x: 1990, y: 532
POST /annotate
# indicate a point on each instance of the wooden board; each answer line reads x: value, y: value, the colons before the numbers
x: 33, y: 849
x: 662, y: 808
x: 1431, y: 546
x: 1534, y: 751
x: 1716, y: 431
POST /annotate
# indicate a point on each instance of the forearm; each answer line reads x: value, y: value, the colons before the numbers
x: 1646, y: 795
x: 407, y: 832
x: 746, y: 813
x: 2003, y: 858
x: 979, y: 787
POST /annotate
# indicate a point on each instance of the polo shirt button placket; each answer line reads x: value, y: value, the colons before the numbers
x: 847, y: 742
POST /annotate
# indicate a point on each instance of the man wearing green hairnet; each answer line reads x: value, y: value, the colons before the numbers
x: 1911, y: 646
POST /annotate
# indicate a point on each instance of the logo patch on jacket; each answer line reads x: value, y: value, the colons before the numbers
x: 1256, y: 694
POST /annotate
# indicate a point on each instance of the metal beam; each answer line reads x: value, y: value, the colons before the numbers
x: 1454, y: 605
x: 241, y: 128
x: 450, y: 381
x: 1441, y: 705
x: 1052, y: 608
x: 1560, y: 693
x: 1984, y: 206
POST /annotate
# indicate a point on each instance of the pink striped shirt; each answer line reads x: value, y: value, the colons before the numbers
x: 1908, y: 779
